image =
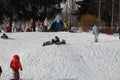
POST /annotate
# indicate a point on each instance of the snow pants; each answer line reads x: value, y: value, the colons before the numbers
x: 96, y: 37
x: 16, y: 75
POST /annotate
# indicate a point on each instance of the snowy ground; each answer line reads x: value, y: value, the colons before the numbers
x: 79, y: 59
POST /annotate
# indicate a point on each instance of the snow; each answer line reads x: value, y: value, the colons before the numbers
x: 79, y: 59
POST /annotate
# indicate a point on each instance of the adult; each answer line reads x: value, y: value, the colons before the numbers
x: 46, y: 24
x: 65, y: 25
x: 14, y: 25
x: 31, y: 25
x: 95, y: 32
x: 38, y: 26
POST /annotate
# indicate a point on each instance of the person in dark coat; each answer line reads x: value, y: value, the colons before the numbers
x: 56, y: 39
x: 0, y: 70
x: 4, y: 36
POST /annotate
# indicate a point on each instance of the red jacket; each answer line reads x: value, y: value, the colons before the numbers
x: 28, y: 30
x: 8, y: 28
x: 15, y: 63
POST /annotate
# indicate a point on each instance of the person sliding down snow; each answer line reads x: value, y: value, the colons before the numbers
x: 4, y: 36
x: 48, y: 42
x: 15, y: 65
x: 56, y: 39
x: 53, y: 41
x: 61, y: 42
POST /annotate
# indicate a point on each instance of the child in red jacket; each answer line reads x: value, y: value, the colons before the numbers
x: 15, y: 64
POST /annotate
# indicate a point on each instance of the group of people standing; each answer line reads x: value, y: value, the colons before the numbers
x: 55, y: 24
x: 15, y: 65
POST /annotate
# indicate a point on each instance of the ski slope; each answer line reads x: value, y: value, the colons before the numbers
x: 79, y: 59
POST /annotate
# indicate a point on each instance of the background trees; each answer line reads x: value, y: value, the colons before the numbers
x: 106, y: 10
x: 28, y: 9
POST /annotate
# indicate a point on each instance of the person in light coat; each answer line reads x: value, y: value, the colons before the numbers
x: 38, y: 26
x: 46, y: 24
x: 95, y: 32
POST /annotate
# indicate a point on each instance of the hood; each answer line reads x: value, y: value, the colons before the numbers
x: 16, y: 57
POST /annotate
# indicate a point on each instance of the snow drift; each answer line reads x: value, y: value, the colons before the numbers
x: 79, y: 59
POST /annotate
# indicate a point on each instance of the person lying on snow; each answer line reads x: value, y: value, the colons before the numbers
x: 61, y: 42
x: 4, y: 36
x: 48, y: 43
x: 54, y: 41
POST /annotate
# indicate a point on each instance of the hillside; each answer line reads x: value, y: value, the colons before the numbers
x: 79, y: 59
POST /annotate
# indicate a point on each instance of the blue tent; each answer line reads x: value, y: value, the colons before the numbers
x: 56, y: 24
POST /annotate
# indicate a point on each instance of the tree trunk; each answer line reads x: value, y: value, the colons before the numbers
x: 119, y: 12
x: 112, y: 14
x: 11, y: 20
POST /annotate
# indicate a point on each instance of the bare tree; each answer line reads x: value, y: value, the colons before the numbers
x: 112, y: 14
x: 119, y: 12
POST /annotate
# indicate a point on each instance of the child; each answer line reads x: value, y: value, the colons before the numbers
x: 0, y: 70
x: 15, y: 64
x: 4, y: 36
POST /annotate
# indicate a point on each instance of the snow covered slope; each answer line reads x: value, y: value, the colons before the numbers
x: 79, y: 59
